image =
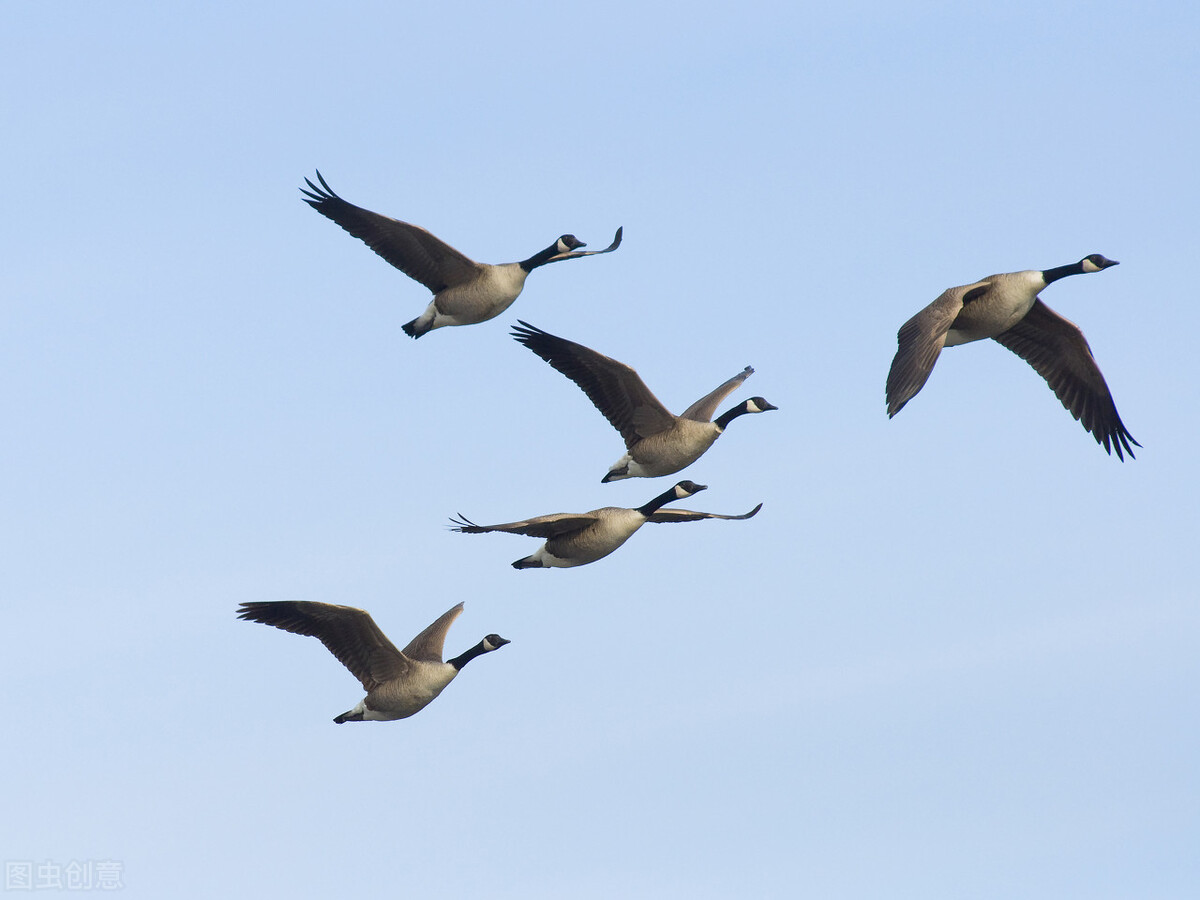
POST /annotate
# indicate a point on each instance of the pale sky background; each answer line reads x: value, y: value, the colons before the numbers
x: 955, y: 655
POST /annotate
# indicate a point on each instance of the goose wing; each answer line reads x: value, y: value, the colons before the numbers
x: 1058, y: 351
x: 574, y: 253
x: 349, y: 633
x: 920, y: 341
x: 687, y: 515
x: 427, y: 646
x: 411, y: 249
x: 702, y: 410
x: 613, y: 387
x: 540, y: 526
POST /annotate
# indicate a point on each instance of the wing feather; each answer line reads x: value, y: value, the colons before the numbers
x: 429, y: 644
x: 686, y: 515
x: 1058, y: 351
x: 410, y: 248
x: 919, y: 343
x: 702, y: 410
x: 348, y: 633
x: 576, y: 253
x: 613, y: 387
x: 540, y: 526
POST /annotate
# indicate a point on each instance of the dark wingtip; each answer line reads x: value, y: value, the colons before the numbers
x: 461, y: 524
x: 320, y: 194
x: 523, y: 331
x: 1119, y: 443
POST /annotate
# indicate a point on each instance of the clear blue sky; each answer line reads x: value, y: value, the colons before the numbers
x: 955, y: 655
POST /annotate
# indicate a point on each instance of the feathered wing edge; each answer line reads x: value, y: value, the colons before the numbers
x: 1058, y: 351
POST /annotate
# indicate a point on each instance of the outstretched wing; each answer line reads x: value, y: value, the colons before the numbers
x: 410, y: 248
x: 539, y: 527
x: 702, y: 410
x: 687, y: 515
x: 349, y: 633
x: 574, y: 253
x: 1058, y: 351
x: 613, y: 387
x: 427, y: 646
x: 920, y: 341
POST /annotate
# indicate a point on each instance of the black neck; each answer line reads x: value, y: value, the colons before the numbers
x: 726, y: 417
x: 540, y: 259
x: 1049, y: 275
x: 662, y: 499
x: 459, y: 661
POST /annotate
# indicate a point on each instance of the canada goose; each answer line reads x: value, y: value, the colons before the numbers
x: 464, y: 292
x: 399, y: 683
x: 1007, y: 308
x: 576, y: 539
x: 657, y: 442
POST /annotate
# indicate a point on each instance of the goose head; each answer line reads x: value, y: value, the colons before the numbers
x: 568, y: 242
x: 687, y: 488
x: 1095, y: 262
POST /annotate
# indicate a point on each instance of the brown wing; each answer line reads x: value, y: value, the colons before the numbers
x: 427, y: 646
x: 1058, y: 351
x: 702, y: 410
x: 540, y: 527
x: 410, y: 248
x: 349, y: 633
x: 613, y: 387
x: 576, y: 253
x: 920, y: 341
x: 687, y: 515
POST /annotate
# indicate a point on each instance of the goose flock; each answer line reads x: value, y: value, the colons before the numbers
x: 400, y: 683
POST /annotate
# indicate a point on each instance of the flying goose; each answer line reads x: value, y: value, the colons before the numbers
x: 1007, y: 309
x: 657, y: 442
x: 464, y: 292
x: 576, y: 539
x: 399, y: 683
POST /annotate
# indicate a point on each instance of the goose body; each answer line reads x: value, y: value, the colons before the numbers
x: 576, y: 539
x: 464, y: 291
x: 1007, y: 309
x: 656, y: 441
x: 399, y: 683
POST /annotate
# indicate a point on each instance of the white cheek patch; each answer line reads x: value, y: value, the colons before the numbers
x: 562, y: 247
x: 751, y: 406
x: 1089, y: 266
